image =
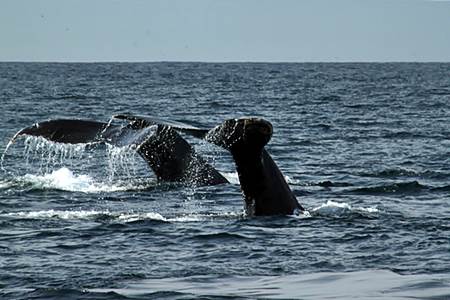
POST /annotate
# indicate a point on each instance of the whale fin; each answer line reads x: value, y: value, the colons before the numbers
x: 65, y: 131
x: 169, y: 156
x: 144, y: 121
x: 265, y: 189
x: 172, y: 158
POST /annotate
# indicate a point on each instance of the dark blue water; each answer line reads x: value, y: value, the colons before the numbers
x: 365, y: 147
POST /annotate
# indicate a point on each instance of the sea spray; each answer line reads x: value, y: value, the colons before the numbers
x: 42, y: 157
x: 122, y: 161
x: 4, y: 154
x: 65, y: 179
x: 48, y: 155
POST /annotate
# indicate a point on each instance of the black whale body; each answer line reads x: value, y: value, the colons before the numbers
x: 169, y: 155
x: 173, y: 159
x: 265, y: 189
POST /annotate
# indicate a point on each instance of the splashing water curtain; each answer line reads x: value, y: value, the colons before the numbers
x: 43, y: 157
x: 121, y: 161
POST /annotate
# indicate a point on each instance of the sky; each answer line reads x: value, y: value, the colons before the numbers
x: 225, y: 30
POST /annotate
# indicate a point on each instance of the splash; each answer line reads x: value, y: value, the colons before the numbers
x: 47, y: 154
x: 122, y: 161
x: 42, y: 157
x: 4, y: 154
x: 64, y: 179
x: 291, y: 180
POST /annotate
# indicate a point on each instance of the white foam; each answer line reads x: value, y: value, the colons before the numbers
x: 132, y: 217
x: 86, y: 214
x: 369, y: 209
x: 61, y: 214
x: 332, y: 207
x: 298, y: 214
x: 288, y: 179
x: 124, y: 217
x: 64, y: 179
x: 204, y: 217
x: 4, y: 184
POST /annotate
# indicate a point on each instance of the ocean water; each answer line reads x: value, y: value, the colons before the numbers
x: 365, y: 148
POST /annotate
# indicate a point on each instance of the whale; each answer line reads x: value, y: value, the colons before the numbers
x: 170, y: 156
x: 173, y: 159
x: 264, y: 187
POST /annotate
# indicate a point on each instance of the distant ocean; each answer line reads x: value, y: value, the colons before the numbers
x: 364, y: 146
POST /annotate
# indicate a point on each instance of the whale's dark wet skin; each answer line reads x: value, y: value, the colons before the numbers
x: 169, y: 156
x: 173, y: 159
x: 265, y: 190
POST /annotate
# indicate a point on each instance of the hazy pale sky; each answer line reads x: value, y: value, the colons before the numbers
x: 224, y: 30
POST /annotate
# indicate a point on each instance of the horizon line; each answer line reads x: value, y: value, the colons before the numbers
x: 222, y: 61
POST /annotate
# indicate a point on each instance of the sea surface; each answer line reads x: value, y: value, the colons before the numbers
x: 364, y: 146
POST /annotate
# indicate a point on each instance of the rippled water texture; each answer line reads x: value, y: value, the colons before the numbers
x: 365, y: 148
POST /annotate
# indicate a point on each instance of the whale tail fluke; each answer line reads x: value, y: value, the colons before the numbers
x: 65, y: 131
x: 145, y: 121
x: 170, y: 156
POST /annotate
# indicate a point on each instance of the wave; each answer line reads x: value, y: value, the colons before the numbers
x: 86, y: 215
x: 400, y: 135
x: 222, y: 236
x: 328, y: 98
x: 124, y: 217
x: 332, y: 208
x: 57, y: 293
x: 328, y: 183
x: 5, y: 184
x: 325, y: 183
x: 328, y: 209
x: 61, y: 214
x: 445, y: 188
x: 401, y: 172
x: 72, y: 97
x: 396, y: 188
x: 439, y: 92
x: 366, y: 284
